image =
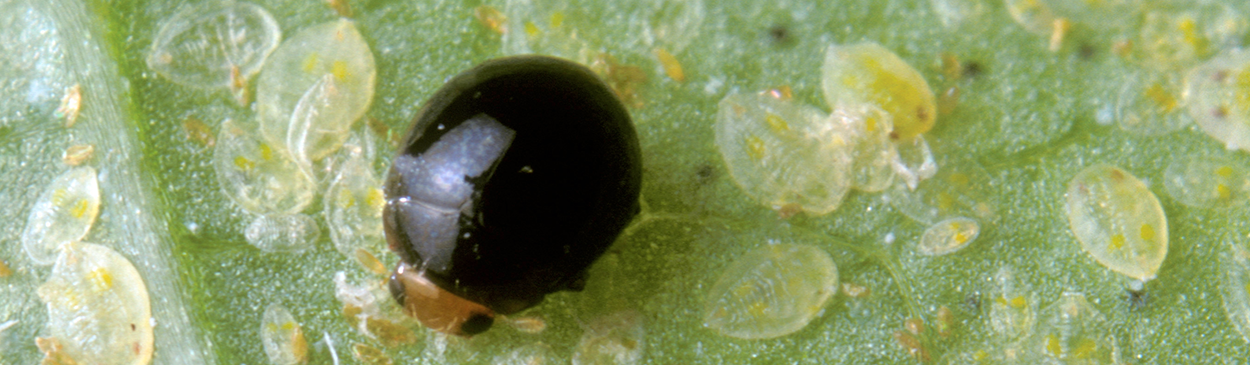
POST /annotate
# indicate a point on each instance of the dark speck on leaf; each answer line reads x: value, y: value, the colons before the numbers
x: 1087, y: 52
x: 973, y: 69
x: 1137, y: 299
x: 705, y: 173
x: 780, y: 35
x: 972, y: 302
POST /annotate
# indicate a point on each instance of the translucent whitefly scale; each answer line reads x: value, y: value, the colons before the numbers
x: 1118, y: 221
x: 913, y: 161
x: 1013, y: 306
x: 668, y: 24
x: 866, y: 73
x: 1150, y: 104
x: 954, y: 13
x: 1035, y: 16
x: 1174, y: 39
x: 948, y: 236
x: 282, y: 337
x: 291, y: 233
x: 210, y: 44
x: 784, y: 153
x: 530, y: 354
x: 63, y: 213
x: 1235, y: 287
x: 1217, y: 94
x: 617, y: 338
x: 98, y: 306
x: 961, y: 188
x: 542, y: 27
x: 1071, y: 331
x: 872, y: 152
x: 771, y: 291
x: 1108, y: 17
x: 317, y: 126
x: 353, y: 209
x: 256, y: 175
x: 298, y: 65
x: 1206, y: 182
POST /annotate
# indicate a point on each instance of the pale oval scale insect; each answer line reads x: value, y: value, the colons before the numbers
x: 1206, y: 182
x: 295, y: 74
x: 211, y: 44
x: 282, y: 337
x: 948, y: 236
x: 1217, y: 94
x: 616, y: 338
x: 1071, y: 331
x: 98, y: 307
x: 1013, y: 306
x: 1118, y: 221
x: 771, y: 291
x: 63, y: 213
x: 291, y: 233
x: 1151, y: 105
x: 258, y: 176
x: 1235, y: 287
x: 782, y: 153
x: 353, y: 208
x: 873, y: 154
x: 869, y: 73
x: 961, y: 188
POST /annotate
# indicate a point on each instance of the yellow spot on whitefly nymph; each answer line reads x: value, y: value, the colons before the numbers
x: 98, y: 306
x: 867, y: 73
x: 948, y: 236
x: 1206, y: 181
x: 63, y: 213
x: 1103, y: 200
x: 259, y: 178
x: 297, y: 67
x: 1071, y: 330
x: 281, y: 337
x: 782, y: 153
x: 1217, y: 96
x: 771, y: 291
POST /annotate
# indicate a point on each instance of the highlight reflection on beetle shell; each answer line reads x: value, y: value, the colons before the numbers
x: 517, y: 174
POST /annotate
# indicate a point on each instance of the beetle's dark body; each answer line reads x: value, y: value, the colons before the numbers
x: 562, y: 185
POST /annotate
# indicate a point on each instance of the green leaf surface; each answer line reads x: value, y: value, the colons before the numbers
x: 1029, y: 117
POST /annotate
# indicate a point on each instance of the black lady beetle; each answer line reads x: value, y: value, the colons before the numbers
x: 516, y: 175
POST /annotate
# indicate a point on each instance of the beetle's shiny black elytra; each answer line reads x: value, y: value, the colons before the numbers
x: 516, y: 175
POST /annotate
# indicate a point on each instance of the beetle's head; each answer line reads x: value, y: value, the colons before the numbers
x: 436, y: 307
